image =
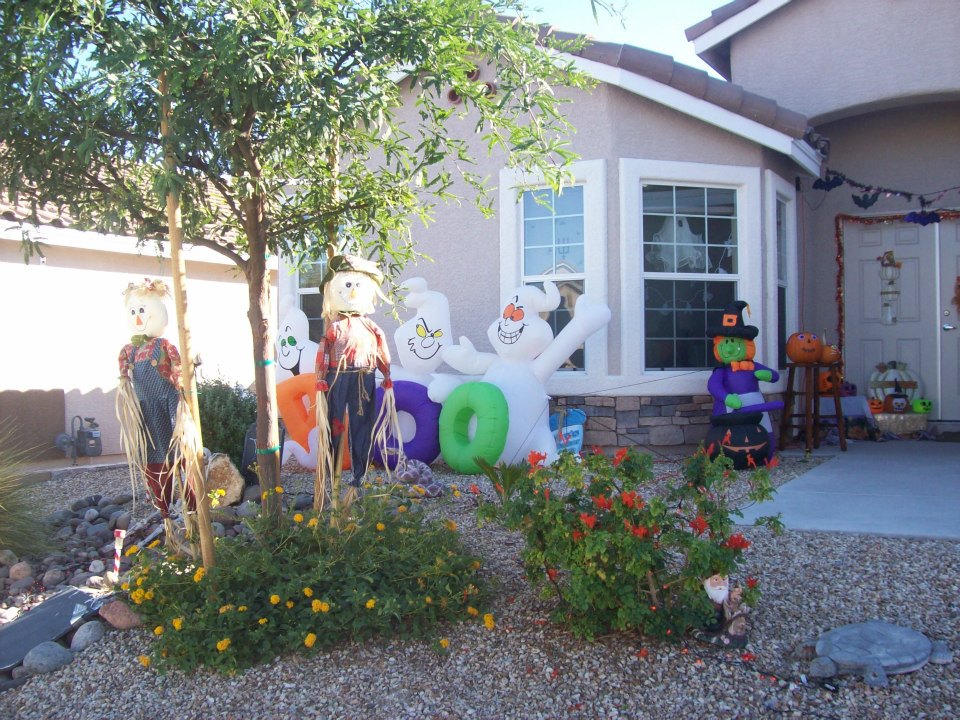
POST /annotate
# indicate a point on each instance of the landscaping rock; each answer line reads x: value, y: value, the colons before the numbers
x: 53, y: 577
x: 120, y: 615
x: 86, y: 635
x: 47, y: 657
x: 223, y: 475
x: 21, y: 570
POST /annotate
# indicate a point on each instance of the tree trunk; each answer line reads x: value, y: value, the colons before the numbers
x: 261, y: 326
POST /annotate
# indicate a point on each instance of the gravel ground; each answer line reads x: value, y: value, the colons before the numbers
x: 527, y: 668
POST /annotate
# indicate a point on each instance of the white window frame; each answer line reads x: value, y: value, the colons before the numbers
x: 776, y: 188
x: 749, y: 277
x: 592, y: 175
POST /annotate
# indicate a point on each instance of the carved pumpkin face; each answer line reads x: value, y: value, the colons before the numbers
x: 830, y: 354
x: 876, y: 406
x: 848, y: 389
x: 747, y: 444
x: 922, y: 405
x: 804, y: 347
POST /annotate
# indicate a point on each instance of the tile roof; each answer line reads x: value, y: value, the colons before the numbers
x: 718, y: 16
x: 696, y: 83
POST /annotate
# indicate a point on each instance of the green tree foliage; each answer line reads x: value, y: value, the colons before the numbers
x: 285, y: 124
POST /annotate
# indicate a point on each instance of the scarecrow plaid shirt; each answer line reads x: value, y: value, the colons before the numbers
x: 352, y: 342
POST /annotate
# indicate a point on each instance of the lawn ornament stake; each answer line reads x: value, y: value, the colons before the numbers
x: 735, y: 388
x: 156, y: 429
x: 352, y: 350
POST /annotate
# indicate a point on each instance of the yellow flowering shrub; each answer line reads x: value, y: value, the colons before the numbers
x: 359, y: 576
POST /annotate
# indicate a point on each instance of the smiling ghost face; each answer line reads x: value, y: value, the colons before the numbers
x: 146, y: 314
x: 291, y: 340
x: 520, y: 333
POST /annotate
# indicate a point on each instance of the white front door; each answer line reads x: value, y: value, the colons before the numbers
x: 926, y: 331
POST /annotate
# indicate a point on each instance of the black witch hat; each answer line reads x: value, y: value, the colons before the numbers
x: 733, y: 323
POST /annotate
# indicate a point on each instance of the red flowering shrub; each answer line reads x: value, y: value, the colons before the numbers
x: 619, y: 561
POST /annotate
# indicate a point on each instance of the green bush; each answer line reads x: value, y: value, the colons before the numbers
x: 22, y: 529
x: 226, y: 411
x: 619, y: 561
x: 382, y: 570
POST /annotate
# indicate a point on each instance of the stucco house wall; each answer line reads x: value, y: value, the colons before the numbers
x: 64, y: 323
x: 831, y: 58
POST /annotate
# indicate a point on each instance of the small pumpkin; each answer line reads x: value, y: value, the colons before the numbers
x: 922, y: 405
x: 826, y: 382
x: 848, y: 389
x: 804, y: 348
x: 896, y: 402
x: 876, y: 406
x: 830, y: 354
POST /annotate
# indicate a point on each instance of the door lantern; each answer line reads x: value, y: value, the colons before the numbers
x: 889, y: 288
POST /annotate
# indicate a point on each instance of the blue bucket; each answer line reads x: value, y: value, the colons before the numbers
x: 570, y: 435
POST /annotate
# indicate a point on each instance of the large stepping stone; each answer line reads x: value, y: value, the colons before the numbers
x: 866, y: 646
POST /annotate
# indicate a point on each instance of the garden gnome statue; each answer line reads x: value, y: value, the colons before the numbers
x: 155, y: 424
x: 730, y: 626
x: 353, y: 348
x: 735, y: 387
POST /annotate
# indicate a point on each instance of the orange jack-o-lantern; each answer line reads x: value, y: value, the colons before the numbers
x: 804, y: 348
x: 876, y: 406
x: 740, y: 437
x: 830, y: 354
x: 826, y: 381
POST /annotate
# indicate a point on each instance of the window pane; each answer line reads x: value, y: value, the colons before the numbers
x: 312, y: 305
x: 570, y: 201
x: 691, y: 201
x: 537, y: 233
x: 569, y: 230
x: 721, y: 201
x: 537, y: 203
x: 658, y: 199
x: 658, y: 258
x: 692, y: 354
x: 781, y: 241
x: 310, y: 275
x: 569, y: 259
x: 782, y: 326
x: 538, y: 261
x: 659, y: 355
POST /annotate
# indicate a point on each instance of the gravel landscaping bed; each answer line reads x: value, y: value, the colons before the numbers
x: 525, y: 667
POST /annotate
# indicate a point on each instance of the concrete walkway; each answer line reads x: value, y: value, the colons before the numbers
x: 900, y: 488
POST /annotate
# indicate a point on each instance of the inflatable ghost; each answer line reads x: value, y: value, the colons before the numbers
x: 420, y: 340
x: 419, y: 343
x: 510, y: 405
x: 296, y: 362
x: 296, y: 352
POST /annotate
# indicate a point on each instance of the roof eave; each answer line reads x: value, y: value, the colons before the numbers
x: 795, y: 149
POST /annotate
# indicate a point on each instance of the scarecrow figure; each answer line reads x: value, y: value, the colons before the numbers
x: 352, y: 350
x: 154, y: 419
x: 735, y: 387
